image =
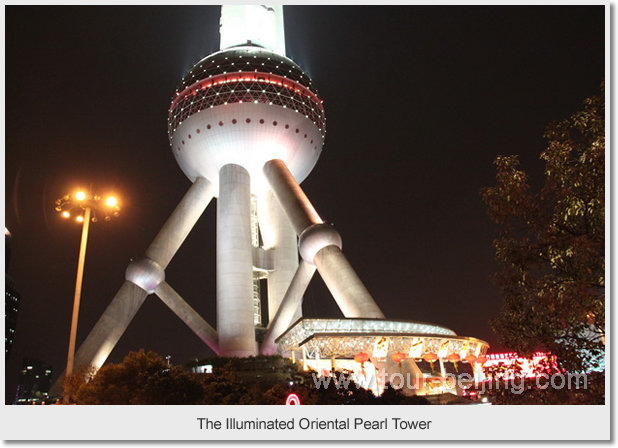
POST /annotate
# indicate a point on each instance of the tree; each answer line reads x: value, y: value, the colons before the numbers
x: 338, y: 387
x: 141, y: 378
x: 551, y: 244
x: 224, y: 386
x: 508, y: 384
x: 394, y: 396
x: 145, y: 378
x: 74, y: 382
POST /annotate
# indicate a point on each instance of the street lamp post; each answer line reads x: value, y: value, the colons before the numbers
x: 78, y: 289
x: 86, y: 208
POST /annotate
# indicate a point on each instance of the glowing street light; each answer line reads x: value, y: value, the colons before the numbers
x: 85, y: 208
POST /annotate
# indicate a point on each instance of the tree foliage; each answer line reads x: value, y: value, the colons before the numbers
x: 141, y: 378
x: 73, y: 383
x: 146, y: 378
x: 508, y: 385
x: 551, y: 244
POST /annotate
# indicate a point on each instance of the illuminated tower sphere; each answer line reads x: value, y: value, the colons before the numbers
x: 245, y: 106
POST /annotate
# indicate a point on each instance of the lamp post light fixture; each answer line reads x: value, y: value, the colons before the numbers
x: 85, y: 208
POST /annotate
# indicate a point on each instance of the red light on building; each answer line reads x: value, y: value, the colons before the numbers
x: 528, y: 367
x: 431, y: 357
x: 361, y: 357
x: 292, y: 399
x: 471, y: 358
x: 398, y: 357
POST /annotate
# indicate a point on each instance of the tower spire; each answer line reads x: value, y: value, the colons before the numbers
x: 260, y: 25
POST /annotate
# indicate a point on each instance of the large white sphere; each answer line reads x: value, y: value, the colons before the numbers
x: 246, y: 106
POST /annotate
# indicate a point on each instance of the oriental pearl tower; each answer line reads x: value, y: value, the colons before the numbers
x: 246, y: 125
x: 249, y: 124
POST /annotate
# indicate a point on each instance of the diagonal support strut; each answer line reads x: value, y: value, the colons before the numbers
x: 320, y: 245
x: 143, y: 276
x: 291, y: 302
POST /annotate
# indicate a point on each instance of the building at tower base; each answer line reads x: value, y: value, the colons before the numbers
x: 416, y: 357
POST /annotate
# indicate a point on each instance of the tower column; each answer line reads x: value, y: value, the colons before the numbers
x: 320, y: 245
x: 277, y: 233
x: 177, y: 227
x: 235, y: 264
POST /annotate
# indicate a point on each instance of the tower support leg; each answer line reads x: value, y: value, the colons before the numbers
x: 235, y: 264
x: 111, y: 325
x: 278, y: 233
x: 288, y: 308
x: 320, y: 245
x: 143, y: 276
x: 188, y: 315
x: 177, y: 227
x: 344, y: 284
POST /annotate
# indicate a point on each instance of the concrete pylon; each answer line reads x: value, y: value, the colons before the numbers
x: 288, y: 309
x: 277, y: 233
x: 188, y: 315
x: 107, y: 331
x: 320, y: 245
x: 143, y: 276
x: 235, y: 264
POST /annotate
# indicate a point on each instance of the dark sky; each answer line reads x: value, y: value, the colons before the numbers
x: 419, y: 101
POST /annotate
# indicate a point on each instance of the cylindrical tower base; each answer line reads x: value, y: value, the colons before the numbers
x: 235, y: 264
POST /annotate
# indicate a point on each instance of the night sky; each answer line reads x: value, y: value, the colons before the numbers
x: 419, y: 101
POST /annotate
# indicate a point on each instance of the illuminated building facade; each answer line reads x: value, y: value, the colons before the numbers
x: 505, y: 365
x: 34, y: 382
x: 425, y: 355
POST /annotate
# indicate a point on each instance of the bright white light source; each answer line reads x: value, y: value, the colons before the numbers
x: 255, y: 24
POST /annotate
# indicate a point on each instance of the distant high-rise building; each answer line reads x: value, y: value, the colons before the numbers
x: 34, y: 382
x: 11, y: 299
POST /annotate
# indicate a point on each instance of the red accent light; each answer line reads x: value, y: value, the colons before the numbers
x: 481, y: 359
x: 431, y: 357
x: 398, y: 357
x: 361, y: 357
x: 252, y: 77
x: 529, y: 367
x: 453, y: 357
x: 292, y: 399
x: 471, y: 358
